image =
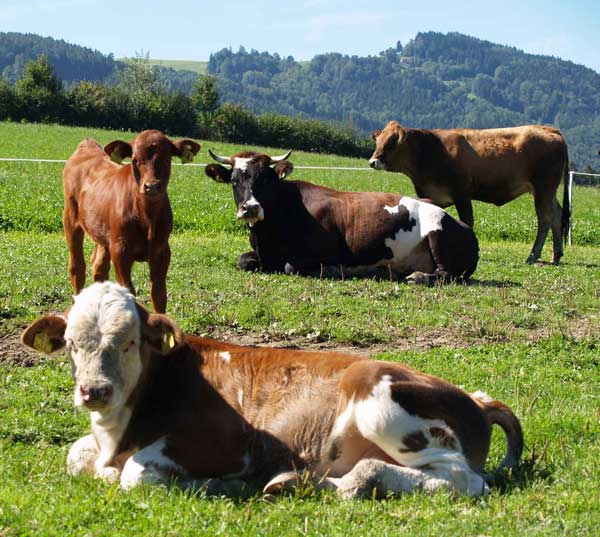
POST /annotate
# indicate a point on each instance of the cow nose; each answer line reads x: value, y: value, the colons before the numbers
x: 96, y: 393
x: 373, y: 163
x: 152, y: 188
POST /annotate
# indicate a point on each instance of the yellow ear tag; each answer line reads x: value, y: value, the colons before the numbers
x: 42, y: 343
x: 168, y: 342
x: 115, y: 156
x: 186, y: 154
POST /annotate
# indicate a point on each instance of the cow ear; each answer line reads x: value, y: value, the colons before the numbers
x: 218, y: 173
x: 185, y: 149
x: 118, y: 150
x: 375, y: 135
x: 283, y: 169
x: 159, y: 331
x: 46, y: 334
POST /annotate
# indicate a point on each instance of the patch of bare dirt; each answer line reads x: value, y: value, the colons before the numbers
x: 13, y: 352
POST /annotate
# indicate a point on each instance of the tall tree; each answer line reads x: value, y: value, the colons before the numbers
x: 205, y: 97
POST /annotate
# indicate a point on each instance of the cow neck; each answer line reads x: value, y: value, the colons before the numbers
x: 170, y: 393
x: 278, y: 215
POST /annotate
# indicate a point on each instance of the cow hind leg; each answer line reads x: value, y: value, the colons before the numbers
x: 414, y: 442
x: 545, y: 212
x: 375, y: 478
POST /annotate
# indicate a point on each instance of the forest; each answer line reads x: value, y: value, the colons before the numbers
x: 434, y: 81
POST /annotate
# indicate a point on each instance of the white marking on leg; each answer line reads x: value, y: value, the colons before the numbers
x: 225, y: 356
x: 150, y: 465
x: 82, y: 456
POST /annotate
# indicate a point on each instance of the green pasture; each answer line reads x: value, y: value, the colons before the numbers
x: 525, y: 334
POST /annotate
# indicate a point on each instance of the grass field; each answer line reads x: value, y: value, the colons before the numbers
x: 525, y: 334
x: 199, y: 67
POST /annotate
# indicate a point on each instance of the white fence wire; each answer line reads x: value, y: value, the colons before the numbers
x: 572, y: 174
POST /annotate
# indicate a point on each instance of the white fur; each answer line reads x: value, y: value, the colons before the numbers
x: 482, y: 396
x: 428, y: 218
x: 82, y: 456
x: 103, y: 336
x: 385, y: 423
x: 376, y: 163
x: 251, y: 202
x: 240, y: 398
x: 150, y: 465
x: 241, y: 163
x: 225, y: 356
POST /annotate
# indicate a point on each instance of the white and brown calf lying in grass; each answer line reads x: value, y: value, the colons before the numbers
x: 165, y: 406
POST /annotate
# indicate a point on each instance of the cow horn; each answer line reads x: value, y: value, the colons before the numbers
x: 218, y: 158
x: 275, y: 160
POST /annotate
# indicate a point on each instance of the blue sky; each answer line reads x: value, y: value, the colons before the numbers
x: 190, y: 30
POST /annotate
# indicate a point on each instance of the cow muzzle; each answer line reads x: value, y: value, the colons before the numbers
x: 96, y: 397
x: 250, y: 212
x: 152, y: 188
x: 376, y: 164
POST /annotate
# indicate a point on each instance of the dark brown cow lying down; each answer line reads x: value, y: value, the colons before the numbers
x: 165, y: 405
x: 455, y: 166
x: 124, y: 209
x: 299, y: 227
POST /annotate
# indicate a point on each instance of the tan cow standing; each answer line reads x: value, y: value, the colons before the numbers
x: 125, y: 209
x: 165, y: 405
x: 455, y: 166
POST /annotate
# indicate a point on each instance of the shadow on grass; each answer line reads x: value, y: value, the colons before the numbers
x: 532, y: 469
x: 494, y: 283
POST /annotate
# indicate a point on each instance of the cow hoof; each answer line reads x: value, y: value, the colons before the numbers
x: 531, y: 259
x: 289, y: 269
x: 419, y: 278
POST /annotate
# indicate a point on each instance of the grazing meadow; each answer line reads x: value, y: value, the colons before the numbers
x: 527, y: 335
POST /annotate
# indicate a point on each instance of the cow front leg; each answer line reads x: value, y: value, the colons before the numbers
x: 464, y: 207
x: 150, y: 465
x: 82, y: 456
x: 74, y: 236
x: 100, y: 263
x: 159, y: 265
x: 375, y: 478
x: 249, y: 262
x: 122, y: 263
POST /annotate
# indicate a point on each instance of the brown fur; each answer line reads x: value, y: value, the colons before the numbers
x: 110, y: 203
x: 455, y: 166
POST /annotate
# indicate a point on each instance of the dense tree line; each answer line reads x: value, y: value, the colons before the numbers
x: 140, y: 100
x: 435, y: 81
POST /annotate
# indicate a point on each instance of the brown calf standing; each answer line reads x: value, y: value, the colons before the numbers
x: 125, y: 209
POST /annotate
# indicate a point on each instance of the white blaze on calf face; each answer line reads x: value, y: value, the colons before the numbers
x: 103, y: 337
x: 427, y: 218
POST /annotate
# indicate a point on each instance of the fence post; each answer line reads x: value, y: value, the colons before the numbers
x: 570, y: 230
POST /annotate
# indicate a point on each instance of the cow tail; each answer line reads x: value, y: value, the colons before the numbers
x: 566, y: 222
x: 500, y: 414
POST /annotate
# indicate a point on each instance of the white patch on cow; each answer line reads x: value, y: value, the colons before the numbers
x: 241, y: 163
x: 103, y: 337
x: 384, y: 422
x: 240, y: 398
x: 427, y: 218
x: 251, y: 203
x: 376, y: 164
x: 482, y: 396
x: 150, y: 465
x: 225, y: 356
x: 82, y: 456
x: 108, y: 429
